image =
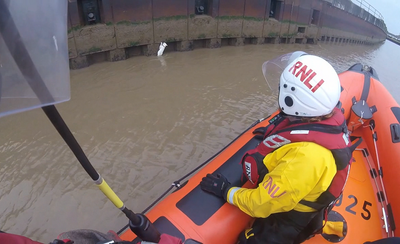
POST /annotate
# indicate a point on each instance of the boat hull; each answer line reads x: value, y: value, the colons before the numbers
x: 192, y: 214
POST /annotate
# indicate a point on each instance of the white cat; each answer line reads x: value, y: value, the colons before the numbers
x: 161, y: 48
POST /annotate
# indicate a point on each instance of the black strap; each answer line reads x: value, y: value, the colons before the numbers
x: 276, y: 120
x: 315, y: 205
x: 324, y: 200
x: 356, y: 144
x: 367, y: 84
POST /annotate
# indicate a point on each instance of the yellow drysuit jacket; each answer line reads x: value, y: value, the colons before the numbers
x: 300, y: 170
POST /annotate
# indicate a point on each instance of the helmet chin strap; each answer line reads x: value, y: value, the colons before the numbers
x: 290, y: 117
x: 293, y: 118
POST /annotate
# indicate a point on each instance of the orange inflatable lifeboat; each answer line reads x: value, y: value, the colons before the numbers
x: 368, y: 208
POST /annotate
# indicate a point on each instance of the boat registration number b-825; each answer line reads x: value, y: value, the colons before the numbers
x: 365, y: 212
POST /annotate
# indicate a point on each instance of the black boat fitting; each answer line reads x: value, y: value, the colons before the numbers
x: 144, y: 229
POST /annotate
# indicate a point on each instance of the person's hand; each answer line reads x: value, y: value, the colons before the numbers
x: 215, y: 184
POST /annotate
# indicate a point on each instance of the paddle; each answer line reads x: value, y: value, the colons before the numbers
x: 139, y: 223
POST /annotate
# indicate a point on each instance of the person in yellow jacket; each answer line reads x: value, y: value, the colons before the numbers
x: 292, y: 181
x: 289, y: 180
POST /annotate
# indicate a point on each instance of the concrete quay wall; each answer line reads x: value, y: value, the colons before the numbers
x: 127, y: 28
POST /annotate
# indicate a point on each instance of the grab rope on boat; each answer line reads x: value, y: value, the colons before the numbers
x: 380, y: 173
x: 382, y: 197
x: 361, y: 115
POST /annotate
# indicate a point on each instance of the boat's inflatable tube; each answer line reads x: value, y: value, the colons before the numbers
x: 381, y: 133
x: 199, y: 217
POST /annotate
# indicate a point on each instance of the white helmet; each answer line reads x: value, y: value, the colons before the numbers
x: 309, y: 87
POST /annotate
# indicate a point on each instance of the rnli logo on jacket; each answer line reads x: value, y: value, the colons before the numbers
x: 306, y: 75
x: 248, y: 171
x: 272, y: 188
x: 275, y: 141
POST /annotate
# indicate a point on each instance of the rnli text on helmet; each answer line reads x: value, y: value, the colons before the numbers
x: 305, y: 74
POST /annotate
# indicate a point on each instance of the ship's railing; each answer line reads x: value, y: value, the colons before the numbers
x: 397, y: 38
x: 361, y: 9
x: 369, y: 8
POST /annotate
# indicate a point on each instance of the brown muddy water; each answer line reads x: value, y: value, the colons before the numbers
x: 143, y: 123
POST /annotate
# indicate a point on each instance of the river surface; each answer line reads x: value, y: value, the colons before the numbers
x: 143, y: 123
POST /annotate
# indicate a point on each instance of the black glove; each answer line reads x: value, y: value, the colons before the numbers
x: 260, y: 132
x: 215, y: 184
